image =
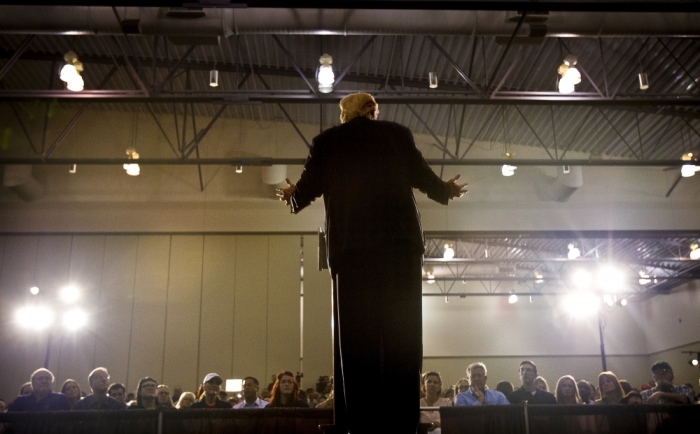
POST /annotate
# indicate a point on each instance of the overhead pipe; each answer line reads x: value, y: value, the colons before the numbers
x: 99, y: 20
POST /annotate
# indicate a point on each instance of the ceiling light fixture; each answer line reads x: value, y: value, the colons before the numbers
x: 688, y: 170
x: 449, y: 252
x: 507, y: 169
x: 325, y: 76
x: 570, y: 76
x: 70, y: 73
x: 239, y: 169
x: 214, y: 77
x: 695, y: 251
x: 432, y: 80
x: 513, y: 298
x: 574, y: 252
x: 73, y: 168
x: 431, y: 276
x: 132, y: 169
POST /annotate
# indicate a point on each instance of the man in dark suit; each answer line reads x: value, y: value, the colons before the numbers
x: 366, y: 171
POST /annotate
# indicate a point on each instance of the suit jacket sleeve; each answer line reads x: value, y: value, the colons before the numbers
x: 422, y: 176
x: 310, y: 185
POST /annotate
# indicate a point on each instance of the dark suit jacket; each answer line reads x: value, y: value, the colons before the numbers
x: 366, y: 171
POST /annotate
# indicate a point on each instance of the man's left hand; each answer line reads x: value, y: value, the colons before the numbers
x: 456, y: 190
x: 286, y: 193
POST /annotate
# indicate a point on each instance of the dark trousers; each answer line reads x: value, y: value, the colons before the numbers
x: 378, y: 347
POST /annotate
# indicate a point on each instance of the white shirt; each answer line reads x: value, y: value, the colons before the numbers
x: 259, y: 403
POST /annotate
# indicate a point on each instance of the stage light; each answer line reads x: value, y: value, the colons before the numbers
x: 513, y: 299
x: 70, y: 294
x: 74, y: 319
x: 644, y: 278
x: 449, y: 252
x: 583, y: 304
x: 34, y: 317
x: 609, y: 278
x: 325, y: 76
x: 539, y: 278
x: 34, y: 290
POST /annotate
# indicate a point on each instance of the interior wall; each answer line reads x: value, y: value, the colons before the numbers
x: 173, y: 307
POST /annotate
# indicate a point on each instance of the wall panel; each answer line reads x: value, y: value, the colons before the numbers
x: 283, y: 305
x: 318, y: 336
x: 183, y: 310
x: 215, y: 324
x: 113, y: 327
x: 250, y: 305
x: 146, y: 349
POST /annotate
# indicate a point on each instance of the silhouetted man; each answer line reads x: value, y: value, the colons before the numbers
x: 529, y: 391
x: 366, y: 171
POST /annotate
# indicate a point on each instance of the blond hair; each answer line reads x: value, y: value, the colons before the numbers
x: 358, y: 105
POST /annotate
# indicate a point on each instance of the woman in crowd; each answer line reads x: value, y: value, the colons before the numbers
x: 610, y: 389
x: 567, y: 391
x: 541, y: 384
x: 71, y: 389
x: 145, y: 395
x: 462, y: 385
x: 285, y: 392
x: 432, y: 386
x: 163, y: 398
x: 186, y: 399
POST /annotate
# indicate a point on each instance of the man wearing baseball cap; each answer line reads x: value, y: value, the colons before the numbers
x: 209, y: 397
x: 665, y: 392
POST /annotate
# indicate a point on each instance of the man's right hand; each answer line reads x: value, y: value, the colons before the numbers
x: 456, y: 190
x: 478, y: 394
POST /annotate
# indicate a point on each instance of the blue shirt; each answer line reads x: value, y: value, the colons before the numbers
x: 90, y: 403
x: 54, y: 401
x: 259, y: 403
x: 491, y: 397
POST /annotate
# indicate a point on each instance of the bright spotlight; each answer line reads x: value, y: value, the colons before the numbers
x: 582, y: 279
x: 513, y: 299
x: 70, y: 294
x: 623, y: 302
x: 609, y: 278
x: 449, y: 252
x: 694, y: 362
x: 581, y: 304
x: 74, y: 319
x: 34, y: 317
x: 34, y: 290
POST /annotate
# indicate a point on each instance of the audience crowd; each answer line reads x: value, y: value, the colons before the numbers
x: 284, y: 391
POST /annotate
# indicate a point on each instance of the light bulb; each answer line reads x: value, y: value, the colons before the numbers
x: 513, y: 299
x: 68, y: 73
x: 508, y: 170
x: 325, y: 77
x: 688, y: 170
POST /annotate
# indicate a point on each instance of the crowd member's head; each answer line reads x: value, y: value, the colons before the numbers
x: 432, y: 384
x: 117, y: 391
x: 42, y: 383
x: 26, y: 389
x: 163, y: 398
x: 251, y: 386
x: 541, y: 384
x: 99, y: 381
x: 265, y: 395
x: 358, y: 105
x: 186, y: 400
x: 566, y: 391
x: 505, y: 387
x: 477, y: 375
x: 632, y: 398
x: 146, y: 393
x: 610, y: 389
x: 462, y: 385
x: 584, y: 390
x: 285, y: 392
x: 71, y: 389
x: 663, y: 375
x: 528, y: 374
x: 211, y: 386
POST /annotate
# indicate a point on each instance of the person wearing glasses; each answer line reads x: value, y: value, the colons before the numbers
x: 42, y: 398
x: 145, y: 395
x: 99, y: 400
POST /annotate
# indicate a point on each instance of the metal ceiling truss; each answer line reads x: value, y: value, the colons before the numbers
x: 655, y: 262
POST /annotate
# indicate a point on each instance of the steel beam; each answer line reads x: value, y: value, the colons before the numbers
x: 505, y: 52
x: 15, y: 56
x: 172, y: 72
x: 291, y: 59
x: 187, y: 150
x: 464, y: 76
x: 354, y: 60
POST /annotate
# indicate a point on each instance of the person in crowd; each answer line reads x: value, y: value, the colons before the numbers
x: 177, y: 391
x: 163, y: 398
x: 542, y: 384
x: 3, y: 406
x: 146, y: 394
x: 251, y: 386
x: 449, y: 394
x: 595, y: 393
x: 462, y: 385
x: 210, y: 390
x: 505, y: 387
x: 610, y: 389
x: 478, y: 393
x: 42, y: 398
x: 186, y: 400
x: 529, y: 390
x: 584, y: 390
x: 130, y: 397
x: 117, y: 391
x: 566, y: 391
x: 312, y: 397
x: 71, y: 389
x: 432, y: 386
x: 664, y: 392
x: 285, y: 392
x: 626, y: 386
x: 26, y: 389
x: 99, y: 381
x: 223, y: 395
x: 265, y: 395
x: 633, y: 397
x: 329, y: 402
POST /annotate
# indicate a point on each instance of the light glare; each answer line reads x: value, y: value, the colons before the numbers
x: 70, y: 294
x: 34, y: 290
x: 609, y: 278
x: 513, y: 299
x: 34, y: 317
x: 582, y: 279
x: 581, y: 304
x: 74, y: 319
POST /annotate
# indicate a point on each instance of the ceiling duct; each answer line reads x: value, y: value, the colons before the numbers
x: 562, y: 185
x: 228, y: 21
x: 19, y: 179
